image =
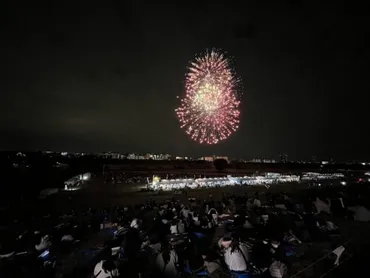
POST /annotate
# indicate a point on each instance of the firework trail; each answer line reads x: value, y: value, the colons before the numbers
x: 209, y: 111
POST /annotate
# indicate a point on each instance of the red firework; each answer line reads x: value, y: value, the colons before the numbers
x: 209, y: 111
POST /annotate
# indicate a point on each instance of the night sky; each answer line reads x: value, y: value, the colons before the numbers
x: 104, y: 75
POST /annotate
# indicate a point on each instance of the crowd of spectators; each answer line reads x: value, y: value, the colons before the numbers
x: 239, y: 236
x: 257, y: 235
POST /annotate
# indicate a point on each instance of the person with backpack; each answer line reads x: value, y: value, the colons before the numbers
x: 235, y: 256
x: 106, y: 269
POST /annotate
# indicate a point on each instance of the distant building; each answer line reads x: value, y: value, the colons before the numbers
x: 212, y: 158
x: 269, y: 161
x: 160, y: 156
x: 207, y: 158
x: 182, y: 158
x: 148, y: 156
x: 134, y: 156
x: 259, y: 160
x: 283, y: 158
x: 110, y: 155
x: 222, y: 157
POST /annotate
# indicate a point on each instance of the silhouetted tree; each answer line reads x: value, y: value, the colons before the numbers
x: 220, y: 164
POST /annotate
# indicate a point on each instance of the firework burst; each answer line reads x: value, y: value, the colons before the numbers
x: 209, y: 111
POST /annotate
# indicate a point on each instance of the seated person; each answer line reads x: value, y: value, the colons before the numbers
x: 167, y: 262
x: 235, y: 254
x: 105, y: 269
x: 277, y: 269
x: 261, y: 254
x: 213, y: 265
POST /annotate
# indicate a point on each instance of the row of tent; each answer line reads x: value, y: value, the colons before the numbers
x: 229, y: 180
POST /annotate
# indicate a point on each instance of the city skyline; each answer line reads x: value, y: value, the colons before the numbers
x: 280, y: 158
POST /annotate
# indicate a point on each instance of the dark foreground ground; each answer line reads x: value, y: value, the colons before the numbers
x: 313, y: 264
